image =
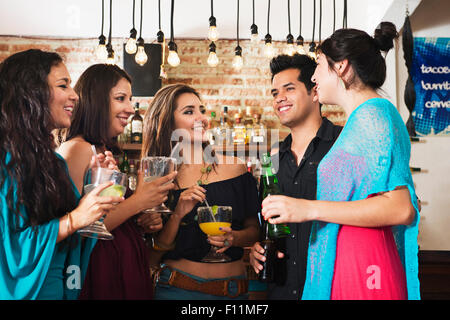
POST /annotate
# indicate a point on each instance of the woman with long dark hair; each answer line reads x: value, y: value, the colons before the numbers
x: 118, y: 269
x: 363, y: 241
x: 41, y: 256
x: 177, y: 111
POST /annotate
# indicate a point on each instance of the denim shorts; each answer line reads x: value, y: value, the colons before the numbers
x: 164, y: 291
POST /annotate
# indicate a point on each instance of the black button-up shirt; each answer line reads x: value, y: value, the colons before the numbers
x: 299, y: 182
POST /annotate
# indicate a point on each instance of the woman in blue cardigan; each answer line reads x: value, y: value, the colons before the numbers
x: 41, y: 255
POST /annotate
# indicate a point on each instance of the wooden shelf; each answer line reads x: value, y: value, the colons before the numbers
x: 130, y: 146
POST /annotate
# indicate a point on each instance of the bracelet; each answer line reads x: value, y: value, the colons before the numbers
x: 69, y: 223
x: 159, y: 247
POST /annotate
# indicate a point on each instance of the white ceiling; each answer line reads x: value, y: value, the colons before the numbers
x: 82, y: 18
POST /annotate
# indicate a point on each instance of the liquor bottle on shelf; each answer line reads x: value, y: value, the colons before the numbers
x: 239, y: 131
x: 136, y: 125
x: 258, y: 133
x: 267, y: 274
x: 270, y: 187
x: 212, y: 125
x: 132, y: 177
x: 248, y: 123
x: 125, y: 166
x: 223, y: 132
x: 226, y: 117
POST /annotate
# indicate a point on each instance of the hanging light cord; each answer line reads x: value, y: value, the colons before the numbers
x: 134, y: 8
x: 320, y: 20
x: 171, y: 20
x: 289, y: 16
x: 159, y: 14
x: 334, y: 15
x: 103, y: 15
x: 110, y: 22
x: 212, y: 9
x: 314, y: 21
x: 300, y: 23
x: 253, y: 11
x: 237, y: 24
x: 344, y: 20
x: 142, y: 9
x: 268, y: 16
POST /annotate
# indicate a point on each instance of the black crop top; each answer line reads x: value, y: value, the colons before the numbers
x: 240, y: 193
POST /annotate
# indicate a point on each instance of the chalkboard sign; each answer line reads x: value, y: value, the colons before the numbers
x: 146, y: 81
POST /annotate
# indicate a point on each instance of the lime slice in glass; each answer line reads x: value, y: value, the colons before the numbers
x: 113, y: 191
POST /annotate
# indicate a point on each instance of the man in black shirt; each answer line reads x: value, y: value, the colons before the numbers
x: 296, y: 105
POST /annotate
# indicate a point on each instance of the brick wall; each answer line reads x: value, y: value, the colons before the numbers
x: 218, y: 86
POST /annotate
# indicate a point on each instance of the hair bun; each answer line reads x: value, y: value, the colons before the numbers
x: 384, y: 36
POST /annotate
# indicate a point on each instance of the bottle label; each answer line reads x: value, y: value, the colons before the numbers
x: 136, y: 126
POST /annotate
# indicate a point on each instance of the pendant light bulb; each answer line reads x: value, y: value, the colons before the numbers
x: 131, y: 47
x: 269, y: 50
x: 312, y: 50
x: 254, y: 38
x: 110, y: 56
x: 213, y: 33
x: 173, y: 59
x: 141, y: 57
x: 100, y: 51
x: 237, y: 60
x: 299, y: 45
x: 290, y: 49
x: 213, y: 60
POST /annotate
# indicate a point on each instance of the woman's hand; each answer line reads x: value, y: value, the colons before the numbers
x: 188, y: 199
x: 106, y: 160
x: 150, y: 222
x: 282, y: 209
x: 224, y: 241
x: 93, y: 206
x: 152, y: 194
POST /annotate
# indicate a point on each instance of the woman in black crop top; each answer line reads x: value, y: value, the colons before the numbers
x: 175, y: 111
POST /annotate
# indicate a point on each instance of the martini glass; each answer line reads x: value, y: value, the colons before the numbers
x: 210, y: 219
x: 98, y: 176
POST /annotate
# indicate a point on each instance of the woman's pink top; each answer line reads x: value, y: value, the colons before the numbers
x: 367, y: 266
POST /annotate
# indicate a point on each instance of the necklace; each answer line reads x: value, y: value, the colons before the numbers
x: 204, y: 171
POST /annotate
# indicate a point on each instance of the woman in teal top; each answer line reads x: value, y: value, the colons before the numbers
x: 41, y: 256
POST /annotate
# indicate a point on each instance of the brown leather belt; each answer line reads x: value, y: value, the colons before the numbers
x: 214, y: 287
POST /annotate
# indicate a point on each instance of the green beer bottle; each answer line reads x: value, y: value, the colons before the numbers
x: 270, y: 187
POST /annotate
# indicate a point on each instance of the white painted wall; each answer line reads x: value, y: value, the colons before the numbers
x: 430, y: 19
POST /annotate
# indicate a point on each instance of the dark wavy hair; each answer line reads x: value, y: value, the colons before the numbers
x: 91, y: 114
x: 362, y: 51
x: 34, y: 177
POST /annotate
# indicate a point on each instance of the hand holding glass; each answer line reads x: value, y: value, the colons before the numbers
x: 153, y: 168
x: 210, y: 219
x: 98, y: 176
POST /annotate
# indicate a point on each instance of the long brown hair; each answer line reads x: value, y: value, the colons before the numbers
x: 159, y: 120
x: 91, y: 115
x: 31, y: 174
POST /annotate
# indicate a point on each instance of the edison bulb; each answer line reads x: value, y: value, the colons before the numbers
x: 312, y: 54
x: 269, y: 51
x: 254, y: 38
x: 290, y: 50
x: 238, y: 62
x: 173, y: 59
x: 300, y: 49
x: 213, y: 60
x: 111, y: 59
x: 213, y: 34
x: 141, y: 57
x: 101, y: 52
x: 131, y: 47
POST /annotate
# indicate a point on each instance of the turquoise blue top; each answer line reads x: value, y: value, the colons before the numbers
x: 32, y: 264
x: 371, y: 155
